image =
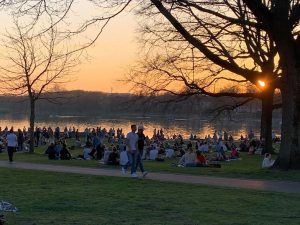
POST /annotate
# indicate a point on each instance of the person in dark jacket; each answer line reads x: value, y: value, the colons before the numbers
x: 51, y: 151
x: 64, y: 153
x: 20, y: 140
x: 113, y: 157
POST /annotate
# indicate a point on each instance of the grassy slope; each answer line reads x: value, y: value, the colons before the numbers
x: 248, y: 167
x: 52, y: 198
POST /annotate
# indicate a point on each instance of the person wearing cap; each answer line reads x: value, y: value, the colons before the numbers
x: 141, y: 144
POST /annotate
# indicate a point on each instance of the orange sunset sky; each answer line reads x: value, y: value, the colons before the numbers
x: 110, y: 57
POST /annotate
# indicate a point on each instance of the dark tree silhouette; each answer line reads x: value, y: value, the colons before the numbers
x: 257, y: 16
x: 45, y: 48
x: 33, y: 64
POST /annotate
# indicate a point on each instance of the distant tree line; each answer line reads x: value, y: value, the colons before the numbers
x: 98, y: 103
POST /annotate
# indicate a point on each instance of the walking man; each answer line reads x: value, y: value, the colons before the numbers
x: 12, y: 142
x: 131, y: 143
x: 141, y: 144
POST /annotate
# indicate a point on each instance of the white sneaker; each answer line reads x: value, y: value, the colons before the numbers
x: 145, y: 174
x: 123, y: 170
x: 134, y: 175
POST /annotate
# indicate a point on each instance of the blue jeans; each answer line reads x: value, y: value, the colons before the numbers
x: 139, y: 161
x: 132, y: 156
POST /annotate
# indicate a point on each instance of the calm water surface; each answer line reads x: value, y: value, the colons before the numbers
x: 183, y: 126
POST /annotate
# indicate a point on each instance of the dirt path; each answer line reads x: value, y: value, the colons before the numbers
x: 262, y: 185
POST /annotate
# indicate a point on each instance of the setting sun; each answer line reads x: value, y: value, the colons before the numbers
x: 261, y: 83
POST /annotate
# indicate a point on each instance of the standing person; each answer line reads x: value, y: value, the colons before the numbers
x: 77, y: 135
x: 96, y: 140
x: 51, y: 135
x: 57, y: 133
x: 37, y: 134
x: 141, y: 144
x: 215, y: 137
x: 20, y: 140
x: 12, y: 142
x: 131, y: 143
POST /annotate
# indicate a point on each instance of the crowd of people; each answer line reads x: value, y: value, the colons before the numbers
x: 121, y: 150
x: 112, y: 147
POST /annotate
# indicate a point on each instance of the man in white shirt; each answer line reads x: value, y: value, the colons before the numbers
x: 12, y: 142
x: 131, y: 144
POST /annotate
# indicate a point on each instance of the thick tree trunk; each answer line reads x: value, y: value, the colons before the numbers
x: 289, y: 53
x: 32, y: 120
x: 289, y: 156
x: 266, y: 119
x: 295, y: 154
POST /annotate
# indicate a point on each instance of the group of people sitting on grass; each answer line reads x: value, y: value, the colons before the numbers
x: 249, y: 143
x: 154, y: 149
x: 197, y: 158
x: 252, y: 146
x: 58, y: 150
x: 192, y: 159
x: 191, y: 152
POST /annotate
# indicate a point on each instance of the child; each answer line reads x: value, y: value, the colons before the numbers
x: 124, y: 161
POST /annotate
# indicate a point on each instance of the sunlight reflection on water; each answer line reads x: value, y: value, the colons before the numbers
x: 170, y: 126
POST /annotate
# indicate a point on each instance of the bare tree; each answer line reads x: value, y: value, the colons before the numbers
x: 217, y: 23
x: 35, y: 63
x: 188, y: 73
x: 45, y: 47
x: 235, y: 43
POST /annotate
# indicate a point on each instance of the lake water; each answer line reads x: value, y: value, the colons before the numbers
x: 183, y: 126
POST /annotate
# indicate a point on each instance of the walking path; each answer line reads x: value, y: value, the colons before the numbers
x: 262, y: 185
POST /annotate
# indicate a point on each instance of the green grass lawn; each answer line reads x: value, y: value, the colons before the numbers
x: 45, y: 198
x: 249, y: 167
